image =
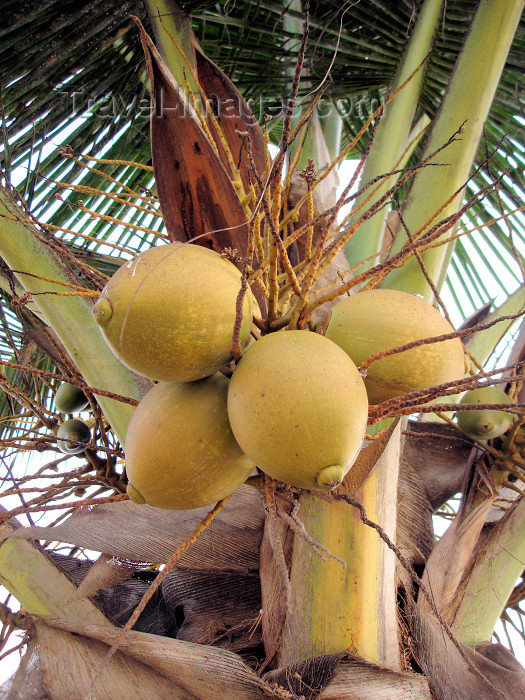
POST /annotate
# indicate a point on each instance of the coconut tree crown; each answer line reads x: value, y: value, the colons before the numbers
x: 431, y: 179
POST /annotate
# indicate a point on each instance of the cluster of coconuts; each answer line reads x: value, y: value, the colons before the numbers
x: 296, y: 405
x: 73, y: 434
x: 169, y: 315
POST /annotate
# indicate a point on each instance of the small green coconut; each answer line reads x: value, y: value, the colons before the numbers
x: 180, y: 450
x: 376, y: 320
x: 169, y: 313
x: 485, y: 424
x: 70, y: 399
x: 76, y: 431
x: 298, y: 407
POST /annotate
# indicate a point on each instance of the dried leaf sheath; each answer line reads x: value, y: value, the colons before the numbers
x: 234, y: 116
x: 151, y: 534
x: 195, y: 192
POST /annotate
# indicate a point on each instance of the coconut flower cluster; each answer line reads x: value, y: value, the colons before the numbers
x: 296, y: 405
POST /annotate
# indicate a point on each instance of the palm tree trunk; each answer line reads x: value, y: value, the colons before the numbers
x: 333, y: 608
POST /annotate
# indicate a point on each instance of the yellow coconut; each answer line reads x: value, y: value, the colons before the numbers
x: 297, y: 406
x: 169, y: 313
x: 485, y: 424
x: 373, y: 321
x: 180, y: 450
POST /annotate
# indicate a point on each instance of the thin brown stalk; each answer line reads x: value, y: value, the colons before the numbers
x: 445, y: 389
x: 62, y: 378
x: 236, y: 338
x: 399, y: 259
x: 58, y: 506
x: 273, y: 535
x: 299, y: 529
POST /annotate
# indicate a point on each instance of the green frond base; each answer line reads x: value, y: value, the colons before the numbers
x: 352, y: 608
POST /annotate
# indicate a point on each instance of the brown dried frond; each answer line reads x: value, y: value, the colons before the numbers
x: 206, y: 522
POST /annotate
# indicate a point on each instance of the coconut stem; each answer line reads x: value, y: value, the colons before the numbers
x: 236, y: 338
